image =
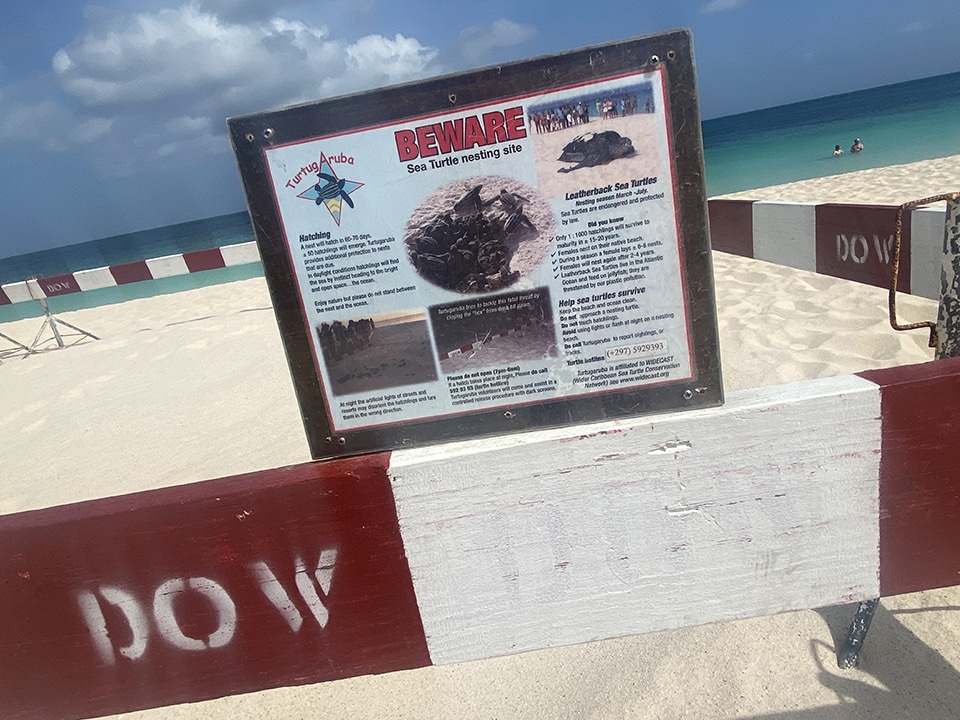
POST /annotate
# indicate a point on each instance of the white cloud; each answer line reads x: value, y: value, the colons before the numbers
x: 28, y: 120
x: 476, y: 41
x: 246, y: 10
x: 91, y: 130
x: 396, y: 59
x: 187, y: 125
x: 721, y: 5
x: 197, y: 61
x: 170, y: 78
x: 914, y: 27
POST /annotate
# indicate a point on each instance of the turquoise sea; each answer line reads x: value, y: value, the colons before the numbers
x: 906, y: 122
x: 916, y: 120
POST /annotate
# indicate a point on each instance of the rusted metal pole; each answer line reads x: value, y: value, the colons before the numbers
x: 948, y: 318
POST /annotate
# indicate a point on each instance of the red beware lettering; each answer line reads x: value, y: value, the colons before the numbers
x: 460, y: 134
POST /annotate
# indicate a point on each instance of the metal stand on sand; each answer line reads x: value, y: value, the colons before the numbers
x: 944, y: 337
x: 50, y: 321
x: 27, y: 350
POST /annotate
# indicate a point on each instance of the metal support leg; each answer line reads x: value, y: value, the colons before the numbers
x: 29, y: 351
x: 850, y: 652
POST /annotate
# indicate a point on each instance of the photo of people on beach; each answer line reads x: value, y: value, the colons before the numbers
x: 498, y: 330
x: 382, y: 351
x: 479, y: 235
x: 589, y: 136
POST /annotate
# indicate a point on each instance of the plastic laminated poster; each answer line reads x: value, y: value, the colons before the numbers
x: 517, y: 247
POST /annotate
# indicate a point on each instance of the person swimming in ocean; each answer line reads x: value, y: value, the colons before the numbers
x: 857, y: 146
x: 837, y: 151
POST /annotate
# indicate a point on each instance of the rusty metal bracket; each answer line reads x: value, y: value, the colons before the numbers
x: 895, y: 268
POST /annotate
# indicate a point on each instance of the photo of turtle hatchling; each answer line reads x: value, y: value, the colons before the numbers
x: 479, y: 235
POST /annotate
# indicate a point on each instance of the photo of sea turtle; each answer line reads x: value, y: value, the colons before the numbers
x: 479, y: 235
x: 590, y: 138
x: 595, y: 148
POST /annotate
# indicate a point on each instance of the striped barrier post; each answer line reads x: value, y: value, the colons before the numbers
x: 132, y: 272
x: 799, y: 496
x: 853, y: 242
x: 847, y: 241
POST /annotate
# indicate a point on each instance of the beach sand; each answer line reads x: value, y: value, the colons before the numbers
x: 893, y: 185
x: 195, y: 385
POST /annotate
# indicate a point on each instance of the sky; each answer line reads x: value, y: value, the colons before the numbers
x: 113, y: 114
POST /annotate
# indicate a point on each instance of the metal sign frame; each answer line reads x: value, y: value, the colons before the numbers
x: 259, y: 140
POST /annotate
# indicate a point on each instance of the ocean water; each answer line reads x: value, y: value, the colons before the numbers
x: 906, y: 122
x: 219, y: 231
x: 916, y: 120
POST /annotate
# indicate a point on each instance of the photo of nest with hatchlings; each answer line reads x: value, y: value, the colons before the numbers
x: 479, y: 235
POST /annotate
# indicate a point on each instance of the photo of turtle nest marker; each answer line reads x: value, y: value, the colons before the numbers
x: 496, y: 330
x: 479, y: 235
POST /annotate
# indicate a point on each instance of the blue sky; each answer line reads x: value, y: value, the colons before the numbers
x: 112, y: 114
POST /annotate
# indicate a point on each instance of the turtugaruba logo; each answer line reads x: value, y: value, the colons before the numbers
x: 331, y: 190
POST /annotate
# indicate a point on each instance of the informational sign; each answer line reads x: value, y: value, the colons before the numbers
x: 518, y: 247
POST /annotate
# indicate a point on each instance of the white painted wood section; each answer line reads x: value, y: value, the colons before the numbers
x: 95, y: 278
x: 167, y: 266
x: 926, y: 250
x: 769, y: 503
x: 241, y: 254
x: 17, y: 292
x: 786, y: 234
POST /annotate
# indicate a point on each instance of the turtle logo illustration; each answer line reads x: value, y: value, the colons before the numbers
x: 331, y: 191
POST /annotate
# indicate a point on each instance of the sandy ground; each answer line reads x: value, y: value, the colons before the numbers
x: 883, y: 186
x: 195, y: 385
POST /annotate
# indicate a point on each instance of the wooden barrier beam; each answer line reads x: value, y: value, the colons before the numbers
x: 849, y: 241
x: 798, y: 496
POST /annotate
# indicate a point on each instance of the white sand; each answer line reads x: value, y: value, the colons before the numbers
x: 195, y: 385
x: 893, y: 185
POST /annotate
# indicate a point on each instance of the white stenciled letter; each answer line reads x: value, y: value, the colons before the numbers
x: 883, y: 248
x: 97, y: 624
x: 275, y: 593
x: 166, y: 618
x: 278, y: 597
x: 859, y: 240
x: 324, y: 576
x: 843, y: 247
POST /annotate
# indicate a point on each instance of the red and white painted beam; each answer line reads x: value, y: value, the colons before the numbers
x: 123, y: 274
x: 797, y: 496
x: 854, y: 242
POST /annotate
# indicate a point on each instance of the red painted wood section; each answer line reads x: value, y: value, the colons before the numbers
x: 855, y: 242
x: 58, y: 285
x: 204, y: 260
x: 131, y: 272
x: 731, y: 226
x: 4, y: 300
x: 919, y: 476
x: 281, y: 577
